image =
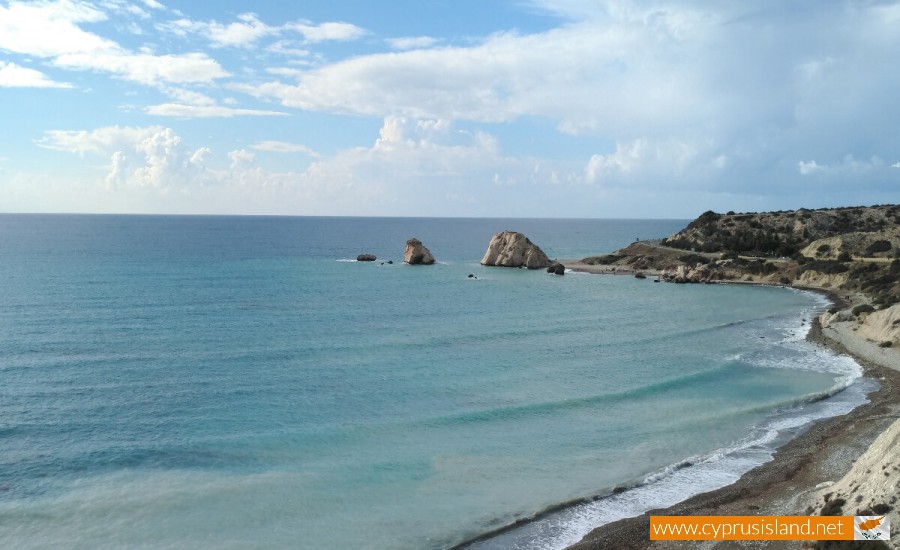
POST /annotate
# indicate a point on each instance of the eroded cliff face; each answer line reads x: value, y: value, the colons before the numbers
x: 512, y: 249
x: 882, y: 325
x: 417, y: 253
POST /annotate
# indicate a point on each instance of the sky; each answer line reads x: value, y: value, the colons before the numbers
x: 504, y: 108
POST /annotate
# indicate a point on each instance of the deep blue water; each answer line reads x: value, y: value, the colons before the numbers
x: 238, y: 382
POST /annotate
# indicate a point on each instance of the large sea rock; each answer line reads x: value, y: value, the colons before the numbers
x: 512, y: 249
x: 416, y: 253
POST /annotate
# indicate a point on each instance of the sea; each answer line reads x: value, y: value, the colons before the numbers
x: 244, y: 382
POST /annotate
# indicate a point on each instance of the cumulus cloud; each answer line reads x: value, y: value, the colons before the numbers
x: 14, y: 76
x: 152, y: 157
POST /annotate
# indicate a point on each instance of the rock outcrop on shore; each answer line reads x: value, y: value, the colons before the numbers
x: 882, y: 327
x: 513, y: 249
x: 871, y: 486
x: 687, y: 274
x: 416, y: 253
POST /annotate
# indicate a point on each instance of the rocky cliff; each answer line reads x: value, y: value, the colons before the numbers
x: 416, y: 253
x: 512, y: 249
x: 882, y: 326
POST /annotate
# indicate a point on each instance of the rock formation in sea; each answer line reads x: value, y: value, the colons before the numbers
x: 512, y: 249
x: 557, y: 268
x: 366, y: 258
x: 416, y: 253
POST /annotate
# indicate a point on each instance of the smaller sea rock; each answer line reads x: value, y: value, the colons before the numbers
x: 416, y: 253
x: 366, y: 258
x: 557, y: 268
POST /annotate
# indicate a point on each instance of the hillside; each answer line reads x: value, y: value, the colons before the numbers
x: 848, y: 250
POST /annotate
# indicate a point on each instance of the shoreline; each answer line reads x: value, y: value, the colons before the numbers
x: 788, y: 484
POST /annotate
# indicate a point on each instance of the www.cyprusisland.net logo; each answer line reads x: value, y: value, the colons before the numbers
x: 871, y: 528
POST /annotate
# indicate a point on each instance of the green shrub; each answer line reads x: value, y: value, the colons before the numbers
x: 878, y: 246
x: 829, y: 267
x: 885, y: 344
x: 693, y: 259
x: 863, y: 308
x: 602, y: 260
x: 833, y: 507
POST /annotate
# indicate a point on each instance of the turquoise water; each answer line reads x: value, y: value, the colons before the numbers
x: 223, y: 382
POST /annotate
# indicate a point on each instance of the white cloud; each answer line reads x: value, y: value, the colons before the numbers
x: 147, y: 69
x: 329, y: 31
x: 848, y: 166
x: 283, y: 147
x: 286, y: 48
x: 642, y: 161
x: 51, y: 30
x: 589, y: 77
x: 423, y: 170
x: 412, y: 42
x: 181, y: 110
x: 14, y: 76
x: 190, y: 97
x: 243, y: 33
x: 677, y: 74
x: 240, y: 158
x: 101, y: 141
x: 809, y: 167
x: 151, y: 157
x: 289, y: 72
x: 249, y: 29
x: 626, y: 158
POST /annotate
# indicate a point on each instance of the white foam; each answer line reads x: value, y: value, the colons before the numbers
x: 677, y: 482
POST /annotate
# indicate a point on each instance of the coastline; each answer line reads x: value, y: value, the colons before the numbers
x: 792, y: 482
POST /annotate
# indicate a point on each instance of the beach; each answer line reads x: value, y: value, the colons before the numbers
x: 829, y: 459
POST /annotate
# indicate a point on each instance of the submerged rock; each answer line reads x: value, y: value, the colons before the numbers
x: 512, y: 249
x: 416, y: 253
